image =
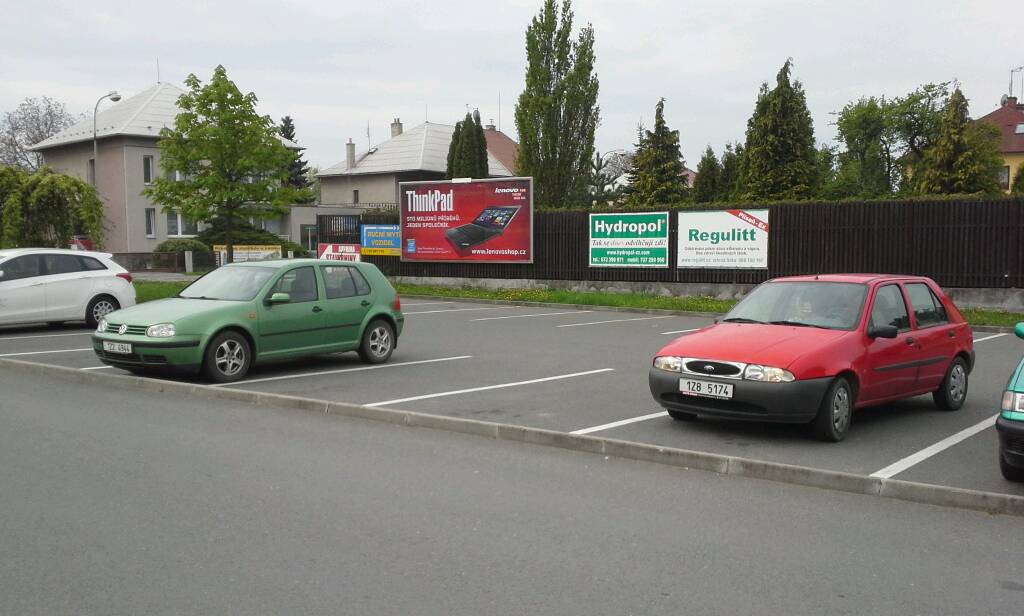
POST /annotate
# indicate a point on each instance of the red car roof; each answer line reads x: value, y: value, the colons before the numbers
x: 857, y: 278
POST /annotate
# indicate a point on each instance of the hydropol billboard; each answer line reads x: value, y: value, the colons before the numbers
x: 727, y: 239
x: 629, y: 240
x: 480, y: 220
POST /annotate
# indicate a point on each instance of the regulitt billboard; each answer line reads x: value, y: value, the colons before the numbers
x: 481, y: 220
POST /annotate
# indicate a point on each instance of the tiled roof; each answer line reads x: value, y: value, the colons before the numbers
x: 502, y: 147
x: 142, y: 115
x: 1007, y: 118
x: 422, y: 148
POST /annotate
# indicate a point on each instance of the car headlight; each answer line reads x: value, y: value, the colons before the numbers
x: 668, y: 362
x: 102, y: 326
x: 1013, y: 402
x: 767, y: 374
x: 162, y: 330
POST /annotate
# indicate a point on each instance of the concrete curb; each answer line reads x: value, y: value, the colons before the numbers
x: 990, y: 502
x: 994, y: 329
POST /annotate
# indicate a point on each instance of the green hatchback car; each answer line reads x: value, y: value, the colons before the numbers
x: 1010, y: 423
x: 245, y: 313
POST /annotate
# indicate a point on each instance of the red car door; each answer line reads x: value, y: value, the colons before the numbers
x: 892, y: 363
x: 936, y: 336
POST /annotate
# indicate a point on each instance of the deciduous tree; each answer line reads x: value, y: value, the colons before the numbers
x: 229, y: 159
x: 557, y: 112
x: 47, y: 208
x: 34, y: 120
x: 964, y: 158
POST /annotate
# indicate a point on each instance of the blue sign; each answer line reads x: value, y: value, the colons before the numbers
x: 382, y: 240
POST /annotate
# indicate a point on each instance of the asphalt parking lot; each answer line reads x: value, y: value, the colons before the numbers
x: 586, y: 371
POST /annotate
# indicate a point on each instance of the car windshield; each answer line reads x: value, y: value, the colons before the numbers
x: 233, y: 283
x: 830, y: 305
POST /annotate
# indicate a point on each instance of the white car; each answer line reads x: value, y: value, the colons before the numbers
x: 52, y: 285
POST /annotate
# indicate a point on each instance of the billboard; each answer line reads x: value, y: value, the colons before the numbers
x: 629, y: 240
x: 338, y: 252
x: 246, y: 252
x: 731, y: 238
x: 487, y: 221
x: 381, y: 240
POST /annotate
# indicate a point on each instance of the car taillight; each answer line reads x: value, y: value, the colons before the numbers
x: 125, y: 275
x: 398, y: 303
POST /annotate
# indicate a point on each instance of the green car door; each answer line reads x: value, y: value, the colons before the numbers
x: 296, y: 326
x: 348, y: 299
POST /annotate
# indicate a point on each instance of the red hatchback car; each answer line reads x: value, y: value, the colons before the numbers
x: 814, y: 348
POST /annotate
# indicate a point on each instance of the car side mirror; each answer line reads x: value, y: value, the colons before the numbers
x: 1019, y: 330
x: 882, y: 331
x: 278, y: 298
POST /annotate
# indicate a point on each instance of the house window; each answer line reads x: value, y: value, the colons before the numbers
x: 355, y: 196
x: 1020, y: 129
x: 147, y: 169
x: 180, y: 226
x: 150, y: 222
x: 1004, y: 177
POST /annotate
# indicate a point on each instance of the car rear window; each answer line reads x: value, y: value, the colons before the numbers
x: 90, y: 264
x: 928, y: 310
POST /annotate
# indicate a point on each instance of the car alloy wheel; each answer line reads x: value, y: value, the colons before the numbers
x: 841, y: 410
x: 102, y: 308
x: 951, y: 395
x: 230, y: 357
x: 380, y: 341
x: 835, y: 412
x: 957, y: 383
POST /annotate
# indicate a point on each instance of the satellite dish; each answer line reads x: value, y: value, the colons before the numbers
x: 1002, y: 101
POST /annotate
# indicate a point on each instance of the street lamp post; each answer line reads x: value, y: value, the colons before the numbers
x: 114, y: 96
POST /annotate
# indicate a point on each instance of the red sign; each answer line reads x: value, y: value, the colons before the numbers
x: 482, y: 220
x: 338, y: 252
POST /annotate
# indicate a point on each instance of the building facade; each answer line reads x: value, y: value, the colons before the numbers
x: 1009, y: 119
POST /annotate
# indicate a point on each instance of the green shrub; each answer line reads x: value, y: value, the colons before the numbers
x: 182, y: 246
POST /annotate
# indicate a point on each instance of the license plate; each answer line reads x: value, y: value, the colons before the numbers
x: 707, y: 389
x: 117, y: 347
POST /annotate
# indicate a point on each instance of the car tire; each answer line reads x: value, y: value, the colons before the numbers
x: 950, y: 396
x: 378, y: 342
x: 1009, y: 471
x: 227, y: 358
x: 681, y: 415
x: 835, y: 414
x: 99, y: 307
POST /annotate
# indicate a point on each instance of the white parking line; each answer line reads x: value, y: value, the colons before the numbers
x: 680, y: 331
x: 487, y: 387
x: 47, y: 336
x: 45, y: 352
x: 916, y: 458
x: 457, y: 310
x: 614, y: 321
x: 616, y: 424
x: 97, y: 368
x: 341, y: 370
x: 989, y: 337
x: 425, y: 303
x: 539, y: 314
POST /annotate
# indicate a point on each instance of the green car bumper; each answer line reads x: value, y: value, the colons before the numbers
x: 178, y: 353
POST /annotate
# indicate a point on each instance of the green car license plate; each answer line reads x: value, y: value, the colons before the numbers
x: 117, y: 347
x: 706, y: 389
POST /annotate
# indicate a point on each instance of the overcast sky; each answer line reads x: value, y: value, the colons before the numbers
x: 336, y: 66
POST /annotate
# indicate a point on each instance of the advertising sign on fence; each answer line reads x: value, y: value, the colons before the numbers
x: 382, y: 240
x: 338, y: 252
x: 629, y: 240
x: 730, y: 239
x: 246, y: 252
x: 480, y: 221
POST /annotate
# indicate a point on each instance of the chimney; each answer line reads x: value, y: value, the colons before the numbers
x: 1011, y: 101
x: 396, y: 128
x: 490, y: 126
x: 350, y: 153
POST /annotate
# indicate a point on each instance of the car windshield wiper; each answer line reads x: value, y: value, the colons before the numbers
x: 197, y: 297
x: 798, y: 324
x: 741, y: 320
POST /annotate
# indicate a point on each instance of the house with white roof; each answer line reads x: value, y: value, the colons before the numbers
x: 127, y: 135
x: 419, y: 154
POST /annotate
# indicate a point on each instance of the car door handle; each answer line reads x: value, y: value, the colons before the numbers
x: 365, y: 302
x: 36, y: 284
x: 952, y: 334
x: 911, y: 340
x: 317, y: 309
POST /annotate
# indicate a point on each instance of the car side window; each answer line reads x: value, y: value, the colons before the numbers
x: 338, y: 281
x: 890, y: 309
x: 90, y: 264
x: 362, y: 287
x: 17, y: 268
x: 299, y: 283
x: 928, y: 310
x: 62, y: 264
